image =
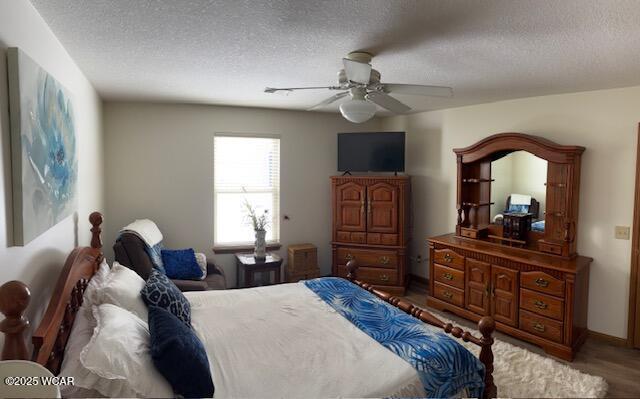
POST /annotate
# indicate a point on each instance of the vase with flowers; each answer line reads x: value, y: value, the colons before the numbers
x: 259, y: 222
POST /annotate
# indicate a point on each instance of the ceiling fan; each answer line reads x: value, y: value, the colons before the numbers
x: 362, y: 83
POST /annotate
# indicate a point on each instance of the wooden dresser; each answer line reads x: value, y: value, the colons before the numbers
x: 533, y: 284
x: 371, y: 225
x: 533, y: 296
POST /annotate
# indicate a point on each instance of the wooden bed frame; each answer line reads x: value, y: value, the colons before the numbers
x: 51, y: 336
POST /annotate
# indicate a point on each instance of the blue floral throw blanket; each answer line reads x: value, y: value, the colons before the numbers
x: 444, y: 366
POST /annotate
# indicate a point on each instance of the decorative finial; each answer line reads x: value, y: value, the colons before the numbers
x: 96, y: 220
x: 14, y: 299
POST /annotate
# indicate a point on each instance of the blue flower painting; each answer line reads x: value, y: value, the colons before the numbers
x: 43, y: 137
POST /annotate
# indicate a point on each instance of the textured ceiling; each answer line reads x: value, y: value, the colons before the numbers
x: 226, y: 52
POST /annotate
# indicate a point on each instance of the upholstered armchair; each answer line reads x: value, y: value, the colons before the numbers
x: 130, y: 251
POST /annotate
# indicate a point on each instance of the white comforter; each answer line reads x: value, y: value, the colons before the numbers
x: 287, y: 343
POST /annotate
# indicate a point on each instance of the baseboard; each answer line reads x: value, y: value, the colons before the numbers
x: 610, y: 339
x: 418, y: 279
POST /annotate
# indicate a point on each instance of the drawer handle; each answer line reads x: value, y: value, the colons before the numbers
x: 384, y: 277
x: 540, y: 305
x: 448, y: 258
x: 447, y: 294
x: 448, y: 276
x: 349, y: 257
x: 540, y: 282
x: 384, y: 260
x: 538, y: 327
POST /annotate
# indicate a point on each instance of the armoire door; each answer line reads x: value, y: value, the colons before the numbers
x: 350, y: 207
x: 504, y: 288
x: 478, y: 276
x: 382, y: 208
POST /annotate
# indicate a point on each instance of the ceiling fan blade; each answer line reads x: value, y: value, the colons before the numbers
x: 418, y: 90
x: 273, y: 89
x: 358, y: 72
x: 386, y: 101
x: 329, y: 100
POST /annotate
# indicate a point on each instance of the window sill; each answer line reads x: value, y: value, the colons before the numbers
x: 232, y: 249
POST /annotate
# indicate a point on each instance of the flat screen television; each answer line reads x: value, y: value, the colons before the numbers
x: 371, y: 152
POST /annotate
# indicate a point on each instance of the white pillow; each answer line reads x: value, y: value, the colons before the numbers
x: 202, y: 262
x: 122, y: 288
x: 118, y: 357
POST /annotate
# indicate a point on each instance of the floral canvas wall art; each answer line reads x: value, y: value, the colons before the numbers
x: 43, y: 149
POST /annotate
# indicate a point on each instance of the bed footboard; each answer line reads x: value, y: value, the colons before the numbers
x: 486, y: 326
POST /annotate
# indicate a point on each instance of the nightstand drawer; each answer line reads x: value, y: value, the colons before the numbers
x: 448, y: 275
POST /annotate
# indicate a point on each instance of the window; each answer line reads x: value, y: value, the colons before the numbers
x: 245, y: 168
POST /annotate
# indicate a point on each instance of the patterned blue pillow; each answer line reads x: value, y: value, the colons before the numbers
x: 179, y: 355
x: 181, y: 264
x: 161, y: 292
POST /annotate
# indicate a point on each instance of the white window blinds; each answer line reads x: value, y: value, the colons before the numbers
x: 245, y: 168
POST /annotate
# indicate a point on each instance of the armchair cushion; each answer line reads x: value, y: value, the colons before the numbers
x: 181, y: 264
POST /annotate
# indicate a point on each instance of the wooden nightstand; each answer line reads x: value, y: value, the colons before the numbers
x: 247, y: 266
x: 302, y: 263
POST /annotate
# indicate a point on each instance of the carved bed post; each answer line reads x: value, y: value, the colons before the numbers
x: 96, y: 220
x: 352, y: 268
x: 14, y: 299
x: 487, y: 326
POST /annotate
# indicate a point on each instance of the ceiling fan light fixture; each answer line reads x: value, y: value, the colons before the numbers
x: 357, y: 111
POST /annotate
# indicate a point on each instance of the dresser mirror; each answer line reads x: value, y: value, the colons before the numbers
x: 519, y: 191
x: 518, y: 194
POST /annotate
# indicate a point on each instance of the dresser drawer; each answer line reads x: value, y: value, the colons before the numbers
x: 448, y: 275
x: 448, y: 294
x: 542, y: 304
x: 372, y: 275
x: 368, y: 257
x: 542, y: 282
x: 541, y: 326
x: 448, y: 257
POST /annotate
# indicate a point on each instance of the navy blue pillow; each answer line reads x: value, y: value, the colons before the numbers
x: 162, y: 292
x: 181, y: 264
x: 179, y: 355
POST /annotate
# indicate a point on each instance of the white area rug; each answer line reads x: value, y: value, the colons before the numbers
x: 519, y: 373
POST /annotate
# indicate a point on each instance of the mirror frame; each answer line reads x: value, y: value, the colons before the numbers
x: 563, y: 180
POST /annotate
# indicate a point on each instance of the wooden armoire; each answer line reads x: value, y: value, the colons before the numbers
x: 371, y: 223
x: 536, y: 289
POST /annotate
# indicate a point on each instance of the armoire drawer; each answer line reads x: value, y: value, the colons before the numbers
x: 542, y: 304
x: 448, y: 275
x: 449, y: 258
x: 368, y: 257
x: 372, y: 275
x: 448, y: 294
x: 542, y: 282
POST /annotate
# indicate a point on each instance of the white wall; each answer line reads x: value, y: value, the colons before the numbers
x: 605, y: 122
x: 160, y: 166
x: 21, y: 26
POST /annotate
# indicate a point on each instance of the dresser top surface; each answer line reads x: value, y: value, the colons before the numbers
x: 570, y: 265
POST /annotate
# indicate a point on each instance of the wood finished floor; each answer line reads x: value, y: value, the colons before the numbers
x: 619, y: 366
